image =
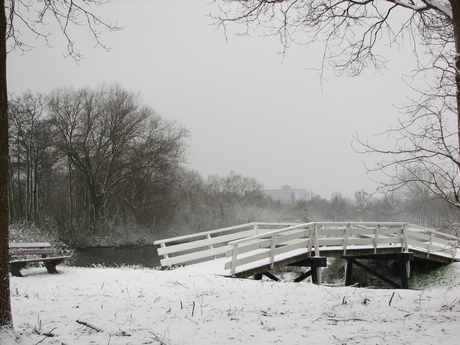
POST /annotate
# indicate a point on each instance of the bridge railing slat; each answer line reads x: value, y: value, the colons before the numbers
x: 204, y: 242
x: 265, y: 241
x: 204, y: 233
x: 267, y: 254
x: 195, y: 256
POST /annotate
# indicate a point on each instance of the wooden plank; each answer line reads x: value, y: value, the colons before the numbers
x: 345, y: 239
x: 389, y: 240
x: 388, y: 231
x: 230, y: 229
x: 293, y: 235
x: 272, y: 249
x: 256, y: 256
x: 234, y: 258
x: 203, y: 243
x: 30, y: 251
x: 331, y: 232
x: 30, y: 245
x: 204, y: 233
x: 30, y: 248
x: 419, y: 236
x: 31, y: 260
x: 250, y: 246
x: 434, y: 248
x: 325, y: 242
x: 266, y: 253
x: 208, y: 253
x: 271, y: 233
x: 281, y: 239
x: 292, y: 246
x: 427, y: 237
x: 360, y: 241
x: 376, y: 238
x: 361, y: 231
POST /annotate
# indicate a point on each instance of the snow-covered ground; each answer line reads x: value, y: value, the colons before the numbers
x: 146, y: 306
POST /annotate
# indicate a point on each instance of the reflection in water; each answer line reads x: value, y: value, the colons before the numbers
x: 145, y: 256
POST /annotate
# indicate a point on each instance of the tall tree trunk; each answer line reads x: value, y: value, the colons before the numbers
x: 456, y: 27
x: 5, y: 302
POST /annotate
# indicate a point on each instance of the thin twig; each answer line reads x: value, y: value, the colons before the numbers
x: 84, y: 323
x: 351, y: 319
x: 391, y: 299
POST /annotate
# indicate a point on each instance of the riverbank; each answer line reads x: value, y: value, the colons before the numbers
x: 145, y: 256
x: 113, y: 306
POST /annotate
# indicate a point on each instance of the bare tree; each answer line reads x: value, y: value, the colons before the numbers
x: 390, y: 206
x: 225, y: 192
x: 34, y: 16
x: 30, y: 153
x: 5, y: 302
x: 338, y: 207
x: 116, y: 146
x: 362, y: 201
x: 352, y: 33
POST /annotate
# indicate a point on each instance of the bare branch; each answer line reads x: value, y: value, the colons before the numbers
x: 67, y: 14
x: 427, y: 138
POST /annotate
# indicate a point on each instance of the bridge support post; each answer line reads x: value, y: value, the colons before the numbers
x: 348, y: 271
x: 315, y: 263
x: 404, y: 260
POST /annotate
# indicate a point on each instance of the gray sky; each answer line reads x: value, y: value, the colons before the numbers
x: 247, y: 109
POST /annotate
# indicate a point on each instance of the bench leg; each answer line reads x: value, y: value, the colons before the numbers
x: 15, y: 269
x: 51, y: 265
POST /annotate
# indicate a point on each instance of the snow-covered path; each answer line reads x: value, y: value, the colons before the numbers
x: 143, y: 306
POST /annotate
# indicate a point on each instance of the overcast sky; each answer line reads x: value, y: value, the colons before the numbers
x: 247, y: 109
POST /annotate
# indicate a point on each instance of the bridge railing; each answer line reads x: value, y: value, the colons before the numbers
x: 313, y: 238
x: 432, y: 242
x: 208, y: 244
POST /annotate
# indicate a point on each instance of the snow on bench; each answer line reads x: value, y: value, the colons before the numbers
x: 24, y: 254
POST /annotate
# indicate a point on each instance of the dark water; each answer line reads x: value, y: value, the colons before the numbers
x: 145, y: 256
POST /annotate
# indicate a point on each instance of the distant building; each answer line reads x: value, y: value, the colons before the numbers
x: 286, y: 194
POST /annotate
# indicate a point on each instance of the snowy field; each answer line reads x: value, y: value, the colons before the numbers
x: 145, y: 306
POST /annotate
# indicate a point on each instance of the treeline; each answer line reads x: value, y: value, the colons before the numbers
x: 404, y: 205
x: 95, y: 166
x: 87, y: 163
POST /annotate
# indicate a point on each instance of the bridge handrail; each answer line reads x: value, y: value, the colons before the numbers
x: 206, y: 244
x: 311, y: 224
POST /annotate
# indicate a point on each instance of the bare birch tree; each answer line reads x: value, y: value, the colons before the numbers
x: 32, y: 16
x: 352, y: 33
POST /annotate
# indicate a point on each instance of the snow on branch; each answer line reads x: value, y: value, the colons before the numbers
x: 426, y: 5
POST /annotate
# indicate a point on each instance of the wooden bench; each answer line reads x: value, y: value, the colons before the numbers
x: 26, y: 253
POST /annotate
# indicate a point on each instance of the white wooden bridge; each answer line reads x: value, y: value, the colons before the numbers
x: 257, y: 248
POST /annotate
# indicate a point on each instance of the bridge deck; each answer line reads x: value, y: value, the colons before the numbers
x: 217, y: 266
